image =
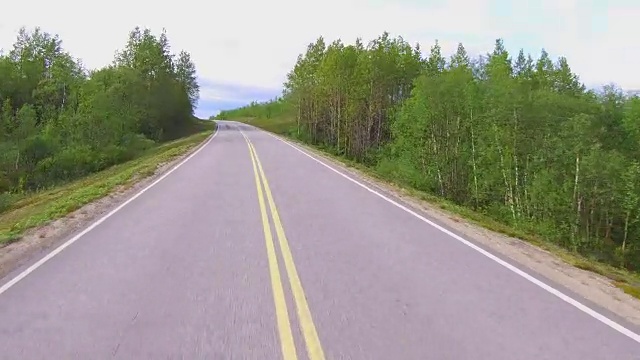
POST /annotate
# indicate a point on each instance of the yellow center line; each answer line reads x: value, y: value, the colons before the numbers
x: 282, y: 315
x: 314, y: 349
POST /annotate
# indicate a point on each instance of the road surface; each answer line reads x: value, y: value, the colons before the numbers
x: 210, y: 264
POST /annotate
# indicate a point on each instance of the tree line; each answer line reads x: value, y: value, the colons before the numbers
x: 59, y: 121
x: 519, y: 139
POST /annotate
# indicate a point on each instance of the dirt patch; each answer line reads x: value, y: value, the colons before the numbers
x: 44, y: 238
x: 593, y: 287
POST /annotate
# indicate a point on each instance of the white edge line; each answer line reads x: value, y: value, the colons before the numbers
x: 584, y: 308
x: 59, y: 249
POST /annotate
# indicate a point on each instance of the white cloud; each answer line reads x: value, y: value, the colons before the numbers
x: 255, y: 43
x: 597, y: 38
x: 243, y: 42
x: 217, y: 94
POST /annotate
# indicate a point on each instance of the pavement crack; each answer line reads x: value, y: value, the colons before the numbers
x: 126, y: 328
x: 115, y: 350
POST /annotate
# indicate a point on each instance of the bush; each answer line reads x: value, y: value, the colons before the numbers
x: 135, y: 144
x: 6, y: 200
x: 70, y: 163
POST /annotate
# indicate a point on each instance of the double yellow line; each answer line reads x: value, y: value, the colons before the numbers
x: 312, y: 342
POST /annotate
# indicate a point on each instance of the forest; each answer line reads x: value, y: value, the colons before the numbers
x: 517, y: 138
x: 60, y: 121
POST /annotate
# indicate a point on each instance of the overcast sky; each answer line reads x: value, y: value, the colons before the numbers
x: 244, y: 48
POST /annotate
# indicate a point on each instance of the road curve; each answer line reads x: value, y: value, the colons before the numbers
x: 253, y: 250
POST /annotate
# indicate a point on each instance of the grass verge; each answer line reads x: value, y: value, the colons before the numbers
x: 40, y: 208
x: 627, y: 281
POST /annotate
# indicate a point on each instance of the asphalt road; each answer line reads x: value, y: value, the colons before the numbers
x: 206, y: 265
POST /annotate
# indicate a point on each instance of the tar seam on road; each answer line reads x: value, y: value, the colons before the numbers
x: 311, y: 338
x: 282, y: 315
x: 60, y: 248
x: 564, y: 297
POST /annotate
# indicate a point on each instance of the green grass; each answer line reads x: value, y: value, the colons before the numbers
x: 629, y: 289
x: 625, y: 280
x: 40, y: 208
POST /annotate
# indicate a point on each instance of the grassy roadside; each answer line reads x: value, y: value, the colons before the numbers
x: 627, y: 281
x: 37, y: 209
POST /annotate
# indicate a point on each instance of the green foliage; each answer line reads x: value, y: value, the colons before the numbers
x: 519, y: 140
x: 59, y: 122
